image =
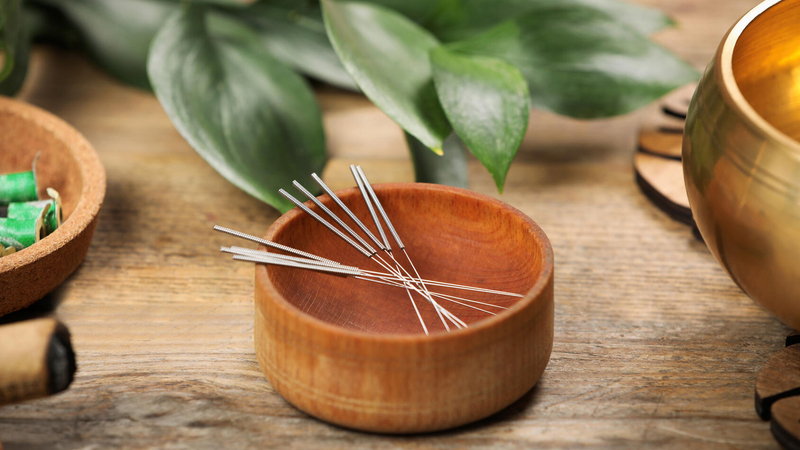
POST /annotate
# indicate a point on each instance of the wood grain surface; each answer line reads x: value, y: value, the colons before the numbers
x: 654, y: 344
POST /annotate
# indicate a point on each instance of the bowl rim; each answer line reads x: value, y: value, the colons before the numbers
x: 530, y: 298
x: 730, y: 88
x: 93, y: 188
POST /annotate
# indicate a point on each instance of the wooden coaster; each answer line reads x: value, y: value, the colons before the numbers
x: 661, y: 179
x: 676, y: 103
x: 657, y: 163
x: 660, y: 121
x: 667, y: 145
x: 778, y: 393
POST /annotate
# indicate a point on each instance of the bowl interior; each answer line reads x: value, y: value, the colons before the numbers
x: 56, y: 167
x: 766, y: 66
x: 450, y: 235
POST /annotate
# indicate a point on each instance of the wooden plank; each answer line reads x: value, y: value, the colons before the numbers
x: 654, y: 344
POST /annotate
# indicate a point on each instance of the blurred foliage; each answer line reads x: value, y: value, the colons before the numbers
x: 454, y: 74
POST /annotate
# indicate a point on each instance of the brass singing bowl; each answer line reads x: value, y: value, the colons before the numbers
x: 742, y: 156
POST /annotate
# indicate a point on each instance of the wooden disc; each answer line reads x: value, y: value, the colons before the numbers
x: 793, y: 338
x: 677, y: 102
x: 659, y: 172
x: 779, y: 378
x: 668, y: 145
x: 778, y: 393
x: 661, y: 179
x: 658, y: 120
x: 785, y: 424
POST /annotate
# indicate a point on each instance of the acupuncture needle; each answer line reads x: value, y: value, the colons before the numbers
x: 393, y: 281
x: 400, y: 244
x: 365, y: 194
x: 388, y: 222
x: 388, y: 247
x: 333, y: 216
x: 447, y: 297
x: 342, y: 271
x: 377, y: 242
x: 347, y: 211
x: 324, y: 222
x: 355, y: 235
x: 250, y: 252
x: 359, y: 173
x: 366, y: 230
x: 363, y: 227
x: 339, y: 271
x: 341, y: 223
x: 275, y: 245
x: 258, y: 256
x: 443, y: 297
x: 327, y: 224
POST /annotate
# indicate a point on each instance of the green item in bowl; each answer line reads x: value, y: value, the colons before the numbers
x: 32, y: 210
x: 22, y: 233
x: 18, y: 187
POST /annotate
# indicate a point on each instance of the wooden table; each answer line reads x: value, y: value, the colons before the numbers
x: 654, y: 344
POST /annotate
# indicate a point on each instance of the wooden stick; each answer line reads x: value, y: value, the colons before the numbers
x: 36, y: 360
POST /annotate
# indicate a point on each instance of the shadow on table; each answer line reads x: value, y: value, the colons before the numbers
x: 509, y: 413
x: 43, y: 307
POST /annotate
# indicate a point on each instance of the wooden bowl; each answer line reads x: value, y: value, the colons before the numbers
x: 741, y: 153
x: 354, y: 353
x: 67, y: 163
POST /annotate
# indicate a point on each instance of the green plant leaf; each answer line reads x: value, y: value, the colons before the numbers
x: 295, y: 35
x: 387, y: 55
x: 420, y: 11
x: 486, y: 101
x: 117, y: 33
x: 581, y: 62
x: 460, y: 19
x: 252, y: 118
x: 228, y: 3
x: 449, y: 168
x: 15, y: 45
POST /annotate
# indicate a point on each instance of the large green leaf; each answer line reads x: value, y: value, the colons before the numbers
x: 581, y: 62
x: 459, y: 19
x: 118, y: 33
x: 15, y: 43
x: 420, y: 11
x: 252, y: 118
x: 449, y: 168
x: 387, y: 55
x: 486, y: 101
x: 295, y: 34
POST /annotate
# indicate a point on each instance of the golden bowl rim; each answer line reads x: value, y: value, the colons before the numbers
x: 730, y: 88
x: 533, y: 298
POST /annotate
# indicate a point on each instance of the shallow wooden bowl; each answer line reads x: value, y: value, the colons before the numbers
x: 67, y: 163
x: 354, y: 353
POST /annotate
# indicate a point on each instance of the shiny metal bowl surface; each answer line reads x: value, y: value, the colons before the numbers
x: 742, y: 156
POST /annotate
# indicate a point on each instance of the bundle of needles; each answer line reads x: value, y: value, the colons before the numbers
x: 396, y: 274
